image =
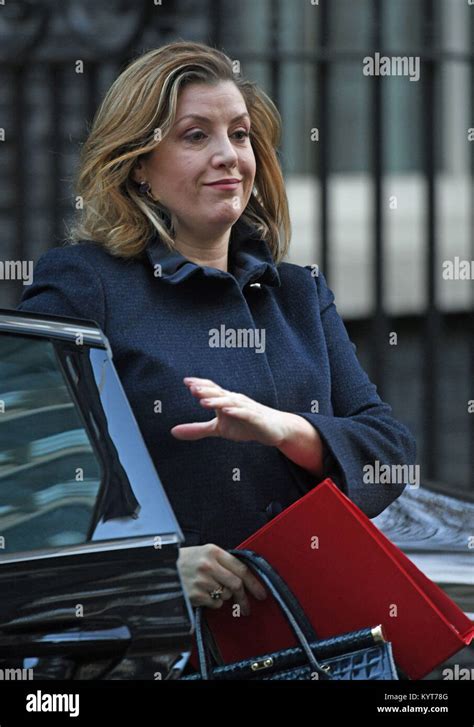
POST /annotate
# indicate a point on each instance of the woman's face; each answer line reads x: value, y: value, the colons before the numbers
x: 199, y: 151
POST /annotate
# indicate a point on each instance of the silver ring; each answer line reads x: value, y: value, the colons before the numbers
x: 216, y: 593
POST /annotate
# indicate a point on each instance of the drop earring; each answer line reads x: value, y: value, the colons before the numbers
x: 143, y: 188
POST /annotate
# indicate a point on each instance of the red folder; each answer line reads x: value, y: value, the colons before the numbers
x: 347, y: 575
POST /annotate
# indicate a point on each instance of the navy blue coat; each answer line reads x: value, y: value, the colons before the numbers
x: 157, y: 311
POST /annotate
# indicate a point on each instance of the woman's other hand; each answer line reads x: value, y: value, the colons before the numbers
x: 204, y: 568
x: 237, y: 417
x: 241, y: 419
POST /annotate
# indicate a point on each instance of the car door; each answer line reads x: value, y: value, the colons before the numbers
x: 88, y: 539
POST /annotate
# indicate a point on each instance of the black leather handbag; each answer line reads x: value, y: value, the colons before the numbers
x: 355, y: 655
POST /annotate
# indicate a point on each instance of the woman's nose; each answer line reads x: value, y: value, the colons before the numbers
x: 225, y: 152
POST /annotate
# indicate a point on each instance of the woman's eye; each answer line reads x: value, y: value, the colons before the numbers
x: 245, y: 134
x: 192, y: 137
x: 197, y: 135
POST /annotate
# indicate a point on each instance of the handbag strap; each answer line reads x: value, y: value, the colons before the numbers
x: 264, y: 569
x: 288, y: 603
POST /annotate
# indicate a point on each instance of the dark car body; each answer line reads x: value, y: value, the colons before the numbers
x: 89, y: 542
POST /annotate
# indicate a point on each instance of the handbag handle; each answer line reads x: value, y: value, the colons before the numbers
x: 288, y: 603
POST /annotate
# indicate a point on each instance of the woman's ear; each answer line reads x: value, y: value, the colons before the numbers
x: 138, y: 171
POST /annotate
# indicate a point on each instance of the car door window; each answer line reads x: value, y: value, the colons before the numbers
x: 50, y: 475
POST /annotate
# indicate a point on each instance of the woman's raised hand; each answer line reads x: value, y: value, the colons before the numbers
x: 238, y: 417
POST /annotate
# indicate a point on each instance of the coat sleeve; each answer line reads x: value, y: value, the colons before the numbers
x: 362, y: 429
x: 65, y: 284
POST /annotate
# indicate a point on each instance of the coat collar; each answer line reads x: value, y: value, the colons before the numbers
x: 250, y: 259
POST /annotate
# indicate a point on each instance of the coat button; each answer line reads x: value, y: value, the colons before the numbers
x: 274, y: 508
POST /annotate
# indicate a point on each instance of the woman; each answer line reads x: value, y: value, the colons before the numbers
x: 239, y: 370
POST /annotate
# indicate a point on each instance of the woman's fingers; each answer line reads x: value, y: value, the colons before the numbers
x: 194, y: 430
x: 198, y: 387
x: 205, y: 568
x: 196, y: 383
x: 208, y: 391
x: 243, y: 573
x: 219, y: 402
x: 238, y: 417
x: 210, y: 574
x: 234, y: 583
x: 226, y: 594
x: 205, y: 388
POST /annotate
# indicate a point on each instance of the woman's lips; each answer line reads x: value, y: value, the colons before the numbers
x: 224, y: 185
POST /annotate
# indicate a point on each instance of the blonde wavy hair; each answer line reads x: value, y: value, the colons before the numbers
x: 141, y: 100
